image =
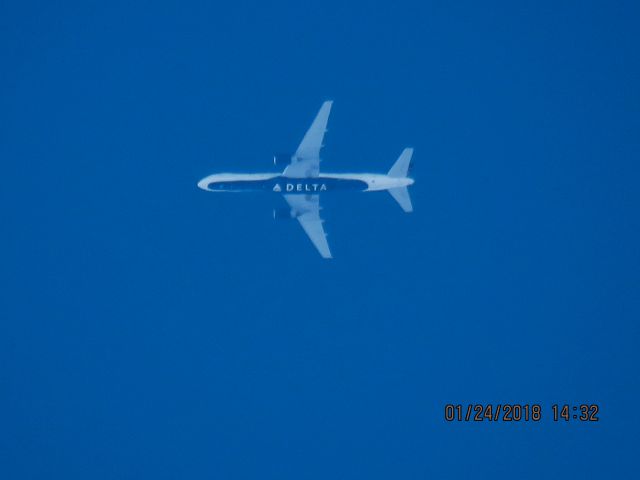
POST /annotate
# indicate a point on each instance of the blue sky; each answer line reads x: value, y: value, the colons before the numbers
x: 151, y: 330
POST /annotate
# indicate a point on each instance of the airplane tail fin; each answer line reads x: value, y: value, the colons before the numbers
x: 400, y: 169
x: 401, y: 195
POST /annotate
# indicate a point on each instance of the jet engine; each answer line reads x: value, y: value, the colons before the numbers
x: 282, y: 159
x: 283, y: 214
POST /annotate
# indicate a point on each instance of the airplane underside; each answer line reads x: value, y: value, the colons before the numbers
x: 301, y: 182
x: 283, y: 184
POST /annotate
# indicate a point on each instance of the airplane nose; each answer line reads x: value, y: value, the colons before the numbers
x: 204, y: 183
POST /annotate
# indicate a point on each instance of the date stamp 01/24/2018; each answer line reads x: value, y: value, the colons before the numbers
x: 521, y: 412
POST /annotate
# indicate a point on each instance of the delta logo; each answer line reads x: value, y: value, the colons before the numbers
x: 301, y: 187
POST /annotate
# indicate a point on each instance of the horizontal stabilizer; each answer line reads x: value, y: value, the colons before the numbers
x: 400, y: 169
x: 401, y: 195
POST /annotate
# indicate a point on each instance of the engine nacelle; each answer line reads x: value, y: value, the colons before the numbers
x: 282, y: 159
x: 283, y: 214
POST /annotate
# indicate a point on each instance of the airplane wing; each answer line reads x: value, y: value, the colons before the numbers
x: 306, y: 208
x: 306, y: 161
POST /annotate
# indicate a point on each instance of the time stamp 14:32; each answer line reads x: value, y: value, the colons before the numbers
x: 521, y: 412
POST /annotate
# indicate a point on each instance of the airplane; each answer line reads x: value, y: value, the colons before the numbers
x: 301, y: 183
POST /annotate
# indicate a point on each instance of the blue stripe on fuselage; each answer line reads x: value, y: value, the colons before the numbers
x: 289, y: 185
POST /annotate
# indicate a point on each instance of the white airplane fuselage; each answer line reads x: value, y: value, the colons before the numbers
x: 277, y: 182
x: 302, y: 182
